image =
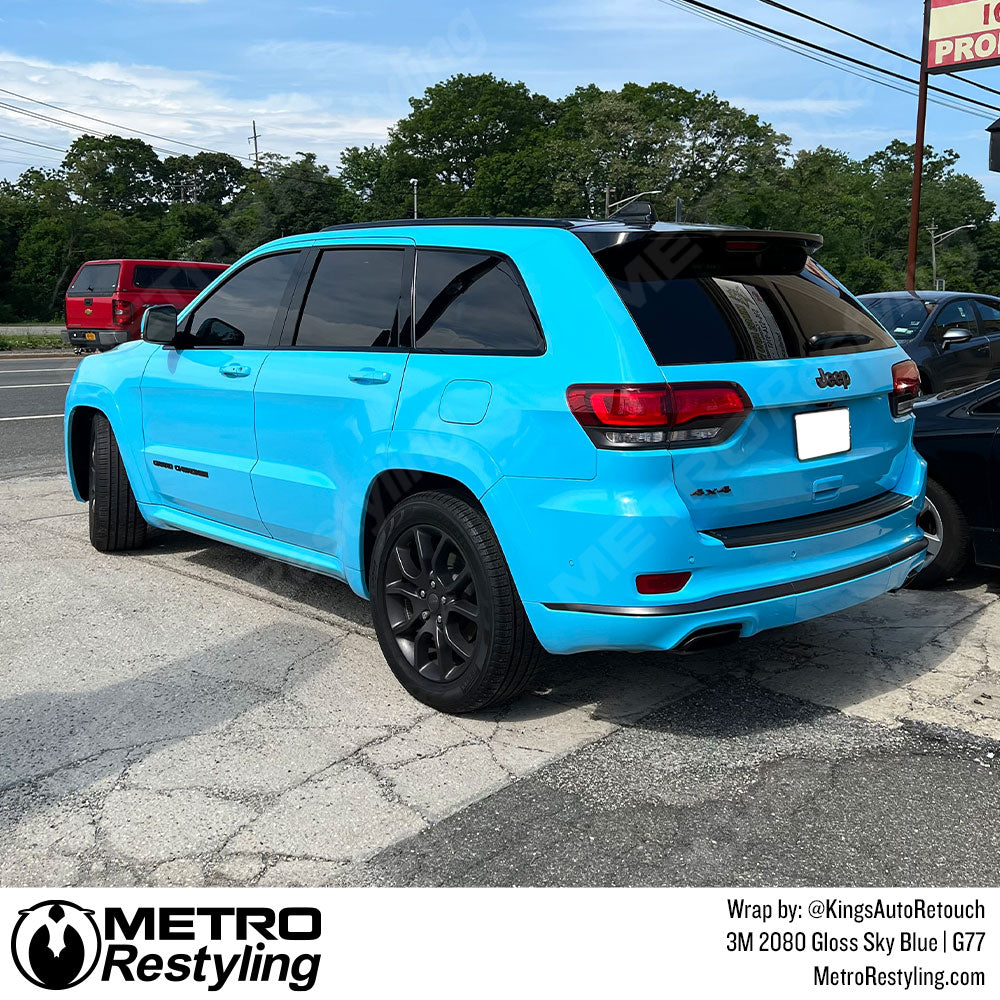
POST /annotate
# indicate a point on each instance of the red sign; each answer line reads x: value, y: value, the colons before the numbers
x: 965, y: 34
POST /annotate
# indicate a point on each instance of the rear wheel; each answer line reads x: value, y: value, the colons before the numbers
x: 948, y: 540
x: 447, y: 615
x: 115, y: 522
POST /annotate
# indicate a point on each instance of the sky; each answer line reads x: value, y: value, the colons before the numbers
x: 323, y: 76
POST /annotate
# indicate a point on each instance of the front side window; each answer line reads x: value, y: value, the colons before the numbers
x: 990, y: 316
x: 955, y: 316
x: 242, y: 312
x: 95, y: 279
x: 353, y: 299
x: 472, y: 303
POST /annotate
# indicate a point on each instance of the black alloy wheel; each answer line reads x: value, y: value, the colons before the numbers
x: 431, y: 603
x: 447, y: 614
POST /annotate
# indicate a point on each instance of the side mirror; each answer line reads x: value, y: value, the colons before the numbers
x: 159, y: 325
x: 953, y: 337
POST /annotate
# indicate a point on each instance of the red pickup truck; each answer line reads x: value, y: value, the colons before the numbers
x: 106, y: 299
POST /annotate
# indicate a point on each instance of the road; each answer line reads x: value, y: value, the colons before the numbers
x: 191, y: 714
x: 32, y: 392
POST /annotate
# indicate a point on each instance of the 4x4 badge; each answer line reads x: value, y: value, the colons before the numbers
x: 827, y: 380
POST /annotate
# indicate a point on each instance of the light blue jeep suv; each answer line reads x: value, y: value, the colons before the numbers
x: 521, y: 434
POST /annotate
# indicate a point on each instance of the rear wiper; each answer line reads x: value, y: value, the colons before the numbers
x: 839, y: 338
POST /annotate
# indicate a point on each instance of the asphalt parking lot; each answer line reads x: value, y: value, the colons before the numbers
x: 193, y: 714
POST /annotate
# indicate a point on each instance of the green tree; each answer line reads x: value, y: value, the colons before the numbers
x: 204, y: 179
x: 114, y: 174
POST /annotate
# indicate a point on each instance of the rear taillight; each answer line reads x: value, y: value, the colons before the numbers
x: 121, y: 312
x: 658, y: 416
x: 905, y: 387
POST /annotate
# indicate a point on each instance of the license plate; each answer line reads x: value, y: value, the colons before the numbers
x: 825, y: 432
x: 90, y: 336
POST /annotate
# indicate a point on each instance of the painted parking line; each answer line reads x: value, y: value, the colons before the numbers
x: 31, y: 371
x: 36, y: 416
x: 34, y: 385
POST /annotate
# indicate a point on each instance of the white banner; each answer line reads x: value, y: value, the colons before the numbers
x: 497, y: 942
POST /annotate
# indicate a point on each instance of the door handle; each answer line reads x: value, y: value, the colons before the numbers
x: 233, y: 370
x: 369, y: 376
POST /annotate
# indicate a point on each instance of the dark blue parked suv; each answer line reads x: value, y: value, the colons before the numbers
x: 954, y: 337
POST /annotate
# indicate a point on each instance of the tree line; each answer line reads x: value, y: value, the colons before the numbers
x: 479, y: 145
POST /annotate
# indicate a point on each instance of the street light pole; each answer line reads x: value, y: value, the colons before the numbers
x: 414, y: 181
x: 933, y: 231
x: 937, y: 240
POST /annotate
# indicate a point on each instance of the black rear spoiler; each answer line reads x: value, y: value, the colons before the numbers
x: 682, y: 252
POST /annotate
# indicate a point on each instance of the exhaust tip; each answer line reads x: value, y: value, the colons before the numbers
x: 713, y: 637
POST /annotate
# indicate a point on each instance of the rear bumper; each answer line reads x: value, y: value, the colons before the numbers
x: 582, y: 628
x: 98, y: 338
x: 576, y: 548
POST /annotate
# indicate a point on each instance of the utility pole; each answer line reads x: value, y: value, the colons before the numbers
x: 918, y: 156
x: 256, y: 151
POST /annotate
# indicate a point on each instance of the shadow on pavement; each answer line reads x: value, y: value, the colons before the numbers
x: 868, y: 652
x: 55, y: 743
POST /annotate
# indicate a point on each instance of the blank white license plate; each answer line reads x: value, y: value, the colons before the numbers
x: 826, y: 432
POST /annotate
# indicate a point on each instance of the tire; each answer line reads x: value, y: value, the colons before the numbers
x: 115, y: 522
x: 478, y: 650
x: 947, y: 533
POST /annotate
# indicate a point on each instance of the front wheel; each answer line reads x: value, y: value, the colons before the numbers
x: 115, y: 522
x: 447, y: 614
x: 948, y: 540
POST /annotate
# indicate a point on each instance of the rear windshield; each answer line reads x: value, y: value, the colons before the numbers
x: 902, y: 317
x: 175, y: 277
x: 709, y: 309
x: 95, y: 279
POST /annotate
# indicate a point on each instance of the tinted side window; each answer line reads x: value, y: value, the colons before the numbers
x: 472, y: 302
x: 242, y: 312
x: 955, y: 316
x: 353, y: 299
x: 95, y: 279
x: 175, y: 277
x: 199, y: 278
x: 990, y: 315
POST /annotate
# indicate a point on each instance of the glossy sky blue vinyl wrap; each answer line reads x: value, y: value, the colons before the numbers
x: 292, y: 451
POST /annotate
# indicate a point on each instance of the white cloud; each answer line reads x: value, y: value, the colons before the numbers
x: 181, y: 106
x: 807, y: 105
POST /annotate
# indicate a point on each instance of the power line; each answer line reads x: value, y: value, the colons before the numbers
x: 872, y: 43
x: 72, y: 128
x: 104, y: 121
x: 747, y: 26
x: 29, y: 142
x: 860, y: 74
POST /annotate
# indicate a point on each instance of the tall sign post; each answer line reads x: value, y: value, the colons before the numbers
x: 958, y: 34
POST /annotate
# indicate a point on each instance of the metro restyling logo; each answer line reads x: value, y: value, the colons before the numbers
x: 57, y: 944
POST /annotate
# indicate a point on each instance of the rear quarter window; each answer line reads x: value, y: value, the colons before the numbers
x: 95, y: 279
x: 470, y: 302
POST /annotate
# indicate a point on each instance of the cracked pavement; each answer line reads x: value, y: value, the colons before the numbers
x: 193, y: 714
